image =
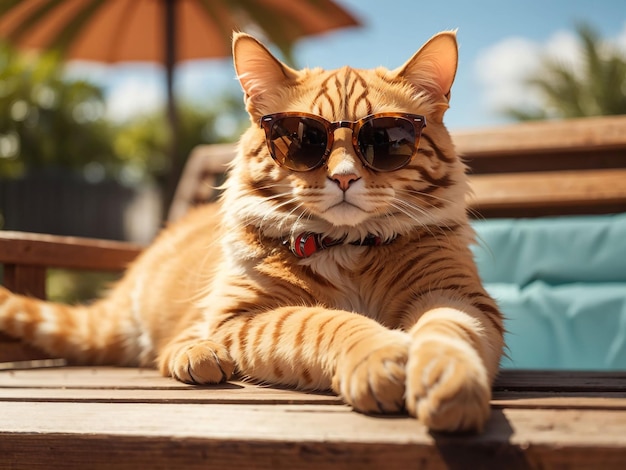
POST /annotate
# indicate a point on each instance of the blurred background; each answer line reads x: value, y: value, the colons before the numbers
x: 95, y: 147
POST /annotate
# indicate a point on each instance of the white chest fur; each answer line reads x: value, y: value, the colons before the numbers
x: 334, y: 264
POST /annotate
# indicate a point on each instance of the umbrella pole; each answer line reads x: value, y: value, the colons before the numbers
x: 176, y: 162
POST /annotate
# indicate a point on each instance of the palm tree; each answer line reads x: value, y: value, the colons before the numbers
x: 598, y: 88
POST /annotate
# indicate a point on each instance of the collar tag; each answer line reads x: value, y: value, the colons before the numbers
x: 308, y: 243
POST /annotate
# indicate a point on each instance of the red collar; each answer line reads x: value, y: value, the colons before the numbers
x: 305, y: 244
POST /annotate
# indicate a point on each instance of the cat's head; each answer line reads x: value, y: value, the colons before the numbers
x: 292, y: 175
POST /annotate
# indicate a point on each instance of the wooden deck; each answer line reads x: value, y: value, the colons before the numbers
x: 97, y: 417
x: 100, y: 417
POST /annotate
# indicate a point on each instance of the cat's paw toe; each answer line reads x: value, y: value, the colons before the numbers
x: 201, y: 362
x: 447, y: 387
x: 372, y: 380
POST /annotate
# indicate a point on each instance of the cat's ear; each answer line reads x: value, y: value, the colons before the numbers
x: 258, y: 71
x: 433, y: 67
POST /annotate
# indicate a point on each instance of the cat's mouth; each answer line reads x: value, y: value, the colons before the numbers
x: 345, y: 213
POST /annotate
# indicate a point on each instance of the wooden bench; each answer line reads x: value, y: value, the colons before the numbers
x: 128, y: 418
x: 576, y: 166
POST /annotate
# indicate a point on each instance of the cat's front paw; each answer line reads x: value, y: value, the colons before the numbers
x: 371, y: 376
x: 447, y: 386
x: 199, y: 362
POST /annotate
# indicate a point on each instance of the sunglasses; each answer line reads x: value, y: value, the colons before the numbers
x: 303, y: 142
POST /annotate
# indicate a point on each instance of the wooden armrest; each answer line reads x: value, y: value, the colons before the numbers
x: 26, y: 256
x: 65, y: 252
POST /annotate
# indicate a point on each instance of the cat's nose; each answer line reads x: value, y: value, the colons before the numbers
x: 344, y: 181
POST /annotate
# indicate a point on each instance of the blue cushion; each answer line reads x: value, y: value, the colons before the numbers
x: 561, y: 283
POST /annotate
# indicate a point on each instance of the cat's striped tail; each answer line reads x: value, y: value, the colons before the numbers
x: 94, y: 334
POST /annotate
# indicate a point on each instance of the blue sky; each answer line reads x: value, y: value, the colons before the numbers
x: 499, y: 41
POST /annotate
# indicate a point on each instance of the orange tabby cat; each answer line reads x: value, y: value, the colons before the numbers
x: 337, y: 258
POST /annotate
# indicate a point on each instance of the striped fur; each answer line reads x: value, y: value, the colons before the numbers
x: 401, y: 326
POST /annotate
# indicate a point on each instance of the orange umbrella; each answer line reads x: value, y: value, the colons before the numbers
x: 142, y: 30
x: 165, y: 31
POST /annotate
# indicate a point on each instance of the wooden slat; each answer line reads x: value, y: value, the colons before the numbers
x: 592, y: 191
x: 298, y: 436
x: 607, y: 132
x: 231, y: 393
x: 561, y: 381
x: 509, y: 380
x: 560, y: 400
x: 245, y: 394
x: 127, y: 417
x: 513, y: 389
x: 573, y: 144
x: 65, y: 252
x: 133, y: 384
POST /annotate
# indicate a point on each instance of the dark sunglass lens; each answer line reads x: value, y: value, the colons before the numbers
x: 387, y: 143
x: 298, y: 143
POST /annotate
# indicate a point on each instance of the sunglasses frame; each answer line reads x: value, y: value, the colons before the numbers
x: 418, y: 121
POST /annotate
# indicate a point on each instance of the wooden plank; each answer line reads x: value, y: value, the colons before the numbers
x: 514, y: 389
x: 559, y: 400
x: 138, y: 385
x: 606, y: 132
x: 555, y: 191
x: 509, y: 380
x: 134, y: 417
x: 89, y: 377
x: 240, y: 394
x: 526, y: 389
x: 573, y: 144
x: 561, y: 381
x: 299, y: 436
x: 231, y: 393
x: 575, y: 159
x: 65, y: 252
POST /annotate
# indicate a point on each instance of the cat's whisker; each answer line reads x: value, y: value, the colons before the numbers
x: 424, y: 195
x: 270, y: 213
x: 413, y: 213
x: 304, y: 213
x: 280, y: 217
x: 412, y: 193
x: 406, y: 207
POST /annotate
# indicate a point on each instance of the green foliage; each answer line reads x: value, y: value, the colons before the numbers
x: 50, y: 122
x: 46, y: 121
x: 143, y: 143
x: 598, y: 88
x: 77, y: 286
